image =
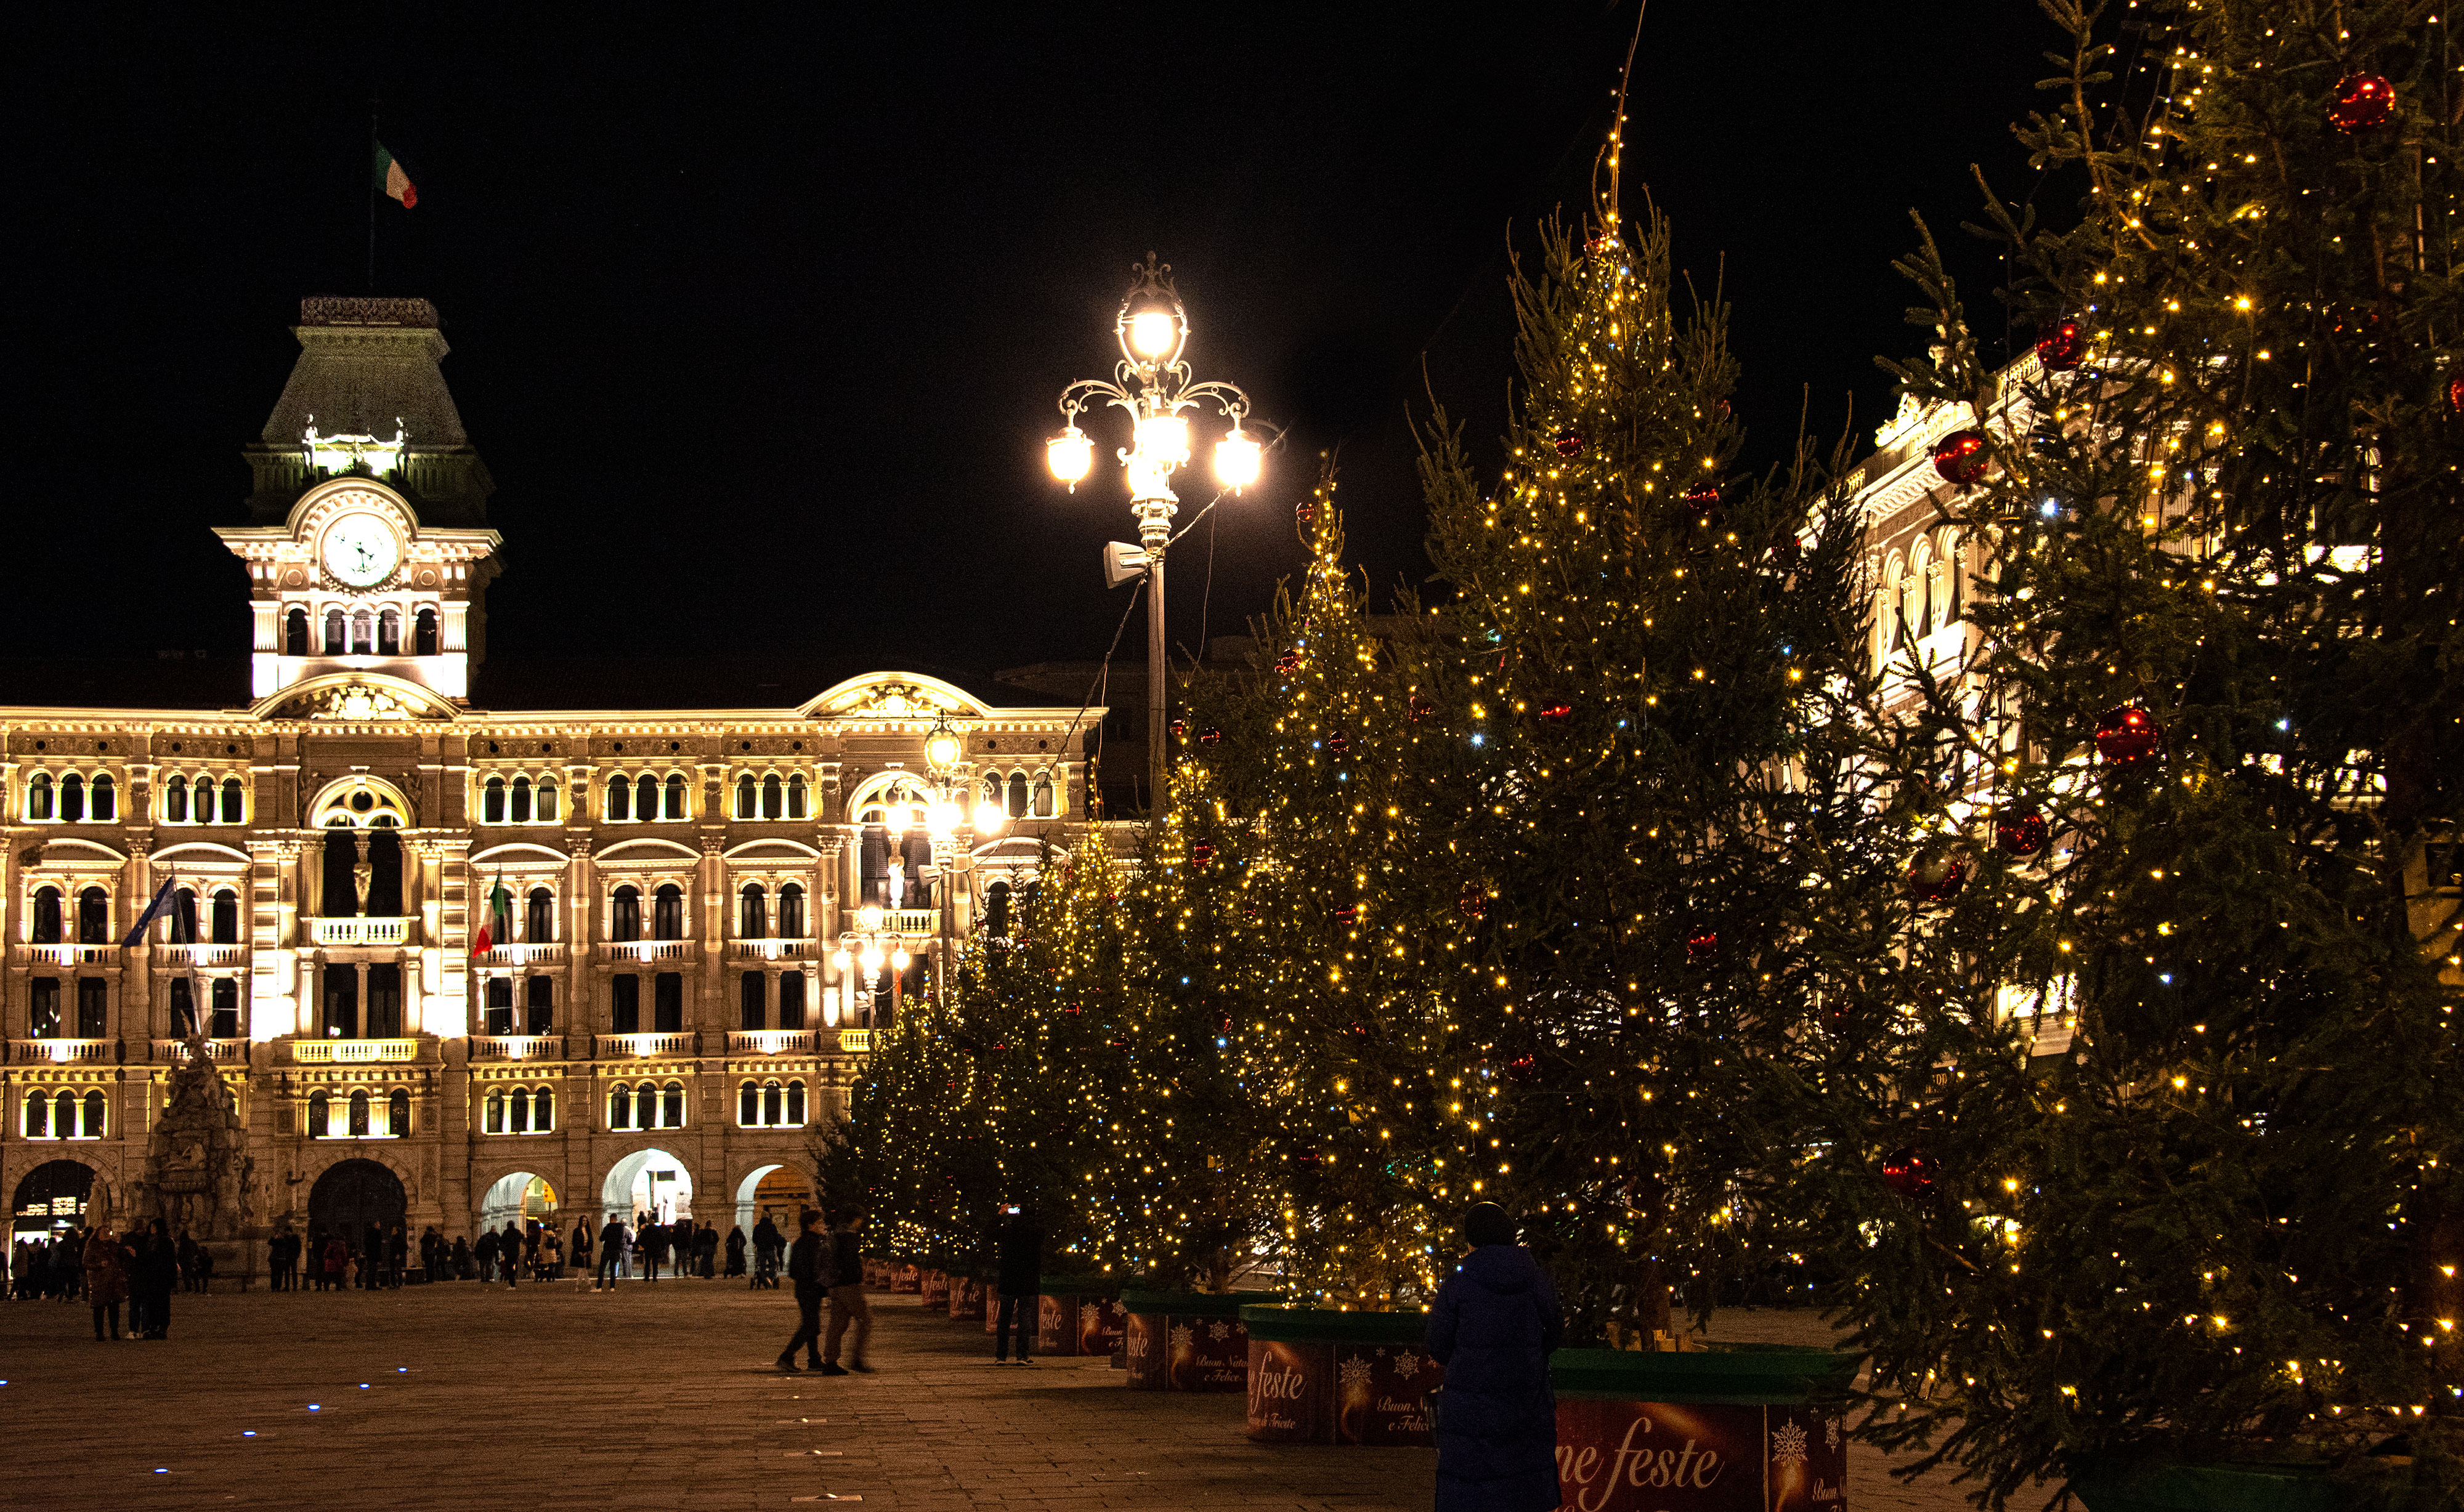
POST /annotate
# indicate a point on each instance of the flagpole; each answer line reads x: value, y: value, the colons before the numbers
x: 372, y: 193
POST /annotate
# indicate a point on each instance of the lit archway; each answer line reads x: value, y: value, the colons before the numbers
x: 780, y: 1191
x: 53, y: 1195
x: 650, y: 1181
x: 353, y: 1194
x: 520, y: 1196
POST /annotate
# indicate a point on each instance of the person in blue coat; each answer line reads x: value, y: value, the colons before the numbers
x: 1494, y: 1327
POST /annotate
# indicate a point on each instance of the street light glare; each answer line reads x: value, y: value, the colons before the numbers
x: 1164, y: 438
x: 988, y: 818
x: 1152, y: 332
x: 1071, y: 455
x: 1238, y: 460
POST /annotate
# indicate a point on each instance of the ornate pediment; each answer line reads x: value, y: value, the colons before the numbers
x: 358, y: 700
x: 895, y: 695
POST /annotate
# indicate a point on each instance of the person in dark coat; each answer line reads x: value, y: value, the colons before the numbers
x: 706, y: 1249
x: 1020, y: 1282
x: 106, y: 1282
x: 767, y: 1242
x: 848, y: 1300
x: 162, y: 1273
x: 485, y: 1252
x: 465, y: 1264
x: 808, y: 1267
x: 1493, y: 1326
x: 736, y: 1250
x: 509, y: 1252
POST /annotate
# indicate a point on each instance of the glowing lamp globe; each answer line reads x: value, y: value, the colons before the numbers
x: 1164, y: 438
x: 988, y: 818
x: 898, y: 960
x: 1071, y: 455
x: 1239, y: 459
x: 941, y: 747
x: 867, y: 919
x: 944, y: 820
x: 1152, y: 332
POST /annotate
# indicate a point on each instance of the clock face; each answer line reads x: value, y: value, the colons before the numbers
x: 360, y: 550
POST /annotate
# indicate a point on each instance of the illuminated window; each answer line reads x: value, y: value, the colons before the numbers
x: 39, y: 1114
x: 38, y: 795
x: 235, y: 802
x: 175, y: 801
x: 773, y: 798
x: 398, y: 1113
x: 753, y: 918
x: 225, y: 1009
x: 492, y: 801
x: 359, y: 1114
x: 620, y: 799
x: 295, y: 632
x: 791, y: 912
x: 795, y: 797
x: 46, y: 924
x: 319, y: 1113
x: 753, y: 1001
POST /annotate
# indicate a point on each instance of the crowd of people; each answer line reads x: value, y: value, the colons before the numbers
x: 141, y: 1268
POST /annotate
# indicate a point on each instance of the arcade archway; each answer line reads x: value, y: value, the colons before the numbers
x: 779, y: 1191
x: 354, y: 1193
x: 650, y: 1181
x: 52, y: 1196
x: 521, y: 1197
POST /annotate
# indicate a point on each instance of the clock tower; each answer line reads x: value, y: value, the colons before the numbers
x: 369, y: 551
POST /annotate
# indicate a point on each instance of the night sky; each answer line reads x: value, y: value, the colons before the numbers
x: 758, y: 321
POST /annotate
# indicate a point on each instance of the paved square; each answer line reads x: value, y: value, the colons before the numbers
x: 459, y: 1397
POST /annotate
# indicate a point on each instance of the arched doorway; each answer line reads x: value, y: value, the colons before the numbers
x: 779, y: 1191
x: 520, y: 1197
x: 354, y: 1193
x: 52, y: 1196
x: 648, y: 1181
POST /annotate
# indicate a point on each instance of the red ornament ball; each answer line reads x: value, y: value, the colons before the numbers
x: 1357, y: 1033
x: 1937, y: 879
x: 1571, y: 443
x: 1523, y: 1068
x: 1909, y: 1172
x: 2455, y: 393
x: 1348, y: 915
x: 1288, y: 663
x: 1339, y: 741
x: 1961, y: 457
x: 1472, y: 902
x: 2362, y: 103
x: 1180, y: 729
x: 1703, y: 949
x: 1304, y: 510
x: 1201, y: 856
x: 2061, y: 346
x: 1557, y: 714
x: 2020, y: 831
x: 2129, y: 734
x: 1306, y: 1158
x: 1422, y: 709
x: 1210, y: 736
x: 1703, y: 502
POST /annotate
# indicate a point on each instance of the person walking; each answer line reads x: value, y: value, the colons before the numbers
x: 372, y: 1250
x: 736, y: 1251
x: 807, y: 1265
x: 162, y: 1273
x: 767, y: 1242
x: 106, y: 1282
x: 611, y: 1253
x: 397, y: 1257
x: 509, y: 1253
x: 1493, y: 1325
x: 338, y: 1260
x: 466, y: 1266
x: 579, y: 1253
x: 848, y: 1300
x: 706, y: 1251
x: 649, y: 1247
x: 1020, y: 1282
x: 431, y: 1255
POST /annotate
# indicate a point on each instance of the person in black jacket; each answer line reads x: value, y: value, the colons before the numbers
x: 1493, y: 1325
x: 805, y: 1265
x: 1022, y: 1279
x: 848, y: 1300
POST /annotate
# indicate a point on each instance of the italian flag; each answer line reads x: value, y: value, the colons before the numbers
x: 500, y: 915
x: 393, y: 181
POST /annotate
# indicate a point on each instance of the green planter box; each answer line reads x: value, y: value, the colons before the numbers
x: 1319, y: 1377
x: 1078, y: 1315
x: 1188, y: 1341
x: 1739, y: 1375
x: 1720, y: 1430
x: 2230, y: 1488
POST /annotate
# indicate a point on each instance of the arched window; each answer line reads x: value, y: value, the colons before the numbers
x: 226, y: 1024
x: 64, y: 1114
x: 104, y: 805
x: 645, y: 797
x: 390, y: 632
x: 235, y: 802
x: 773, y: 1102
x: 492, y: 1120
x: 1017, y: 795
x: 492, y: 801
x: 398, y: 1113
x: 45, y: 923
x: 1044, y: 795
x: 175, y: 801
x: 774, y: 797
x: 38, y: 795
x: 39, y: 1114
x: 94, y: 917
x: 359, y: 1114
x: 183, y: 917
x: 791, y: 911
x: 745, y: 796
x: 335, y: 643
x: 997, y: 910
x: 363, y: 633
x: 625, y: 1003
x: 72, y: 799
x: 539, y: 923
x: 226, y: 917
x: 993, y: 788
x: 319, y: 1110
x: 295, y: 632
x: 791, y: 1000
x: 423, y: 634
x: 538, y: 1005
x: 620, y: 799
x: 620, y: 1106
x: 385, y: 872
x: 43, y: 1007
x: 184, y: 1008
x: 667, y: 912
x: 671, y: 1106
x: 517, y: 1111
x: 627, y: 923
x: 96, y: 1110
x: 667, y: 1002
x: 1950, y: 587
x: 753, y: 1001
x: 795, y: 797
x: 748, y: 1106
x: 521, y: 813
x: 753, y: 919
x: 676, y: 796
x: 499, y: 1017
x: 795, y: 1103
x: 543, y: 1110
x: 547, y: 800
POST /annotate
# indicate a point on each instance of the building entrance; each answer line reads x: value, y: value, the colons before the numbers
x: 520, y: 1197
x: 352, y: 1196
x: 650, y: 1181
x: 780, y: 1192
x: 52, y: 1196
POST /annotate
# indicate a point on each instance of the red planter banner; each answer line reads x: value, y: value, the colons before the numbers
x: 966, y: 1299
x: 1144, y: 1343
x: 1658, y: 1457
x: 1340, y: 1392
x: 1056, y: 1325
x: 1101, y: 1325
x: 907, y: 1277
x: 937, y: 1289
x: 1290, y: 1391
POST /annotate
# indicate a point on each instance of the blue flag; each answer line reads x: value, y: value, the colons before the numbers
x: 153, y: 911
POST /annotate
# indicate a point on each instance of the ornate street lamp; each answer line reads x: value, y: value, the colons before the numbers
x: 1153, y: 384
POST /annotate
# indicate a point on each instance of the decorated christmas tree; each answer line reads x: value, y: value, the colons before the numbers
x: 2211, y: 789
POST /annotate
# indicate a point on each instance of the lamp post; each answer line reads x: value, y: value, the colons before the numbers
x: 877, y: 943
x: 1153, y: 384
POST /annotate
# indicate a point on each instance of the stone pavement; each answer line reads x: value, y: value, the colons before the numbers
x: 458, y: 1396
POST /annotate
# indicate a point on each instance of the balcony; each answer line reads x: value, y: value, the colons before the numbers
x: 522, y: 953
x: 59, y: 1052
x: 517, y: 1046
x: 855, y: 1041
x: 770, y: 1041
x: 622, y: 953
x: 222, y: 1052
x: 803, y: 950
x: 912, y: 921
x: 352, y: 1052
x: 183, y: 957
x: 66, y: 955
x: 359, y: 933
x: 612, y: 1046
